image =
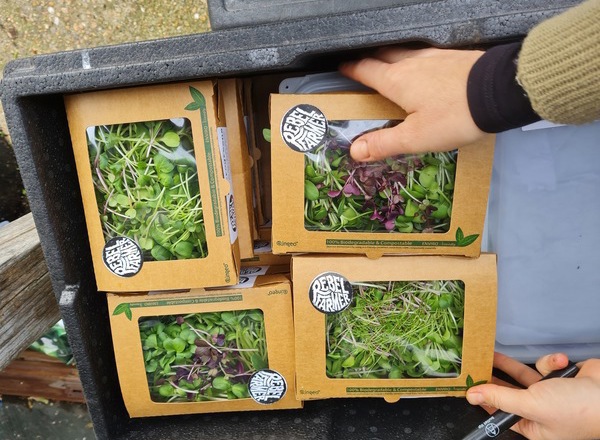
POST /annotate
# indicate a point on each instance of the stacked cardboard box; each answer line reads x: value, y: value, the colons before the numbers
x: 391, y: 296
x: 193, y: 331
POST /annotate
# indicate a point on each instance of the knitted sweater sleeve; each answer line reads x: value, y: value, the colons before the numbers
x: 553, y: 74
x: 559, y: 65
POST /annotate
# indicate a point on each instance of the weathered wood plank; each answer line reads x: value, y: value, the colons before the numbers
x: 34, y: 374
x: 28, y: 306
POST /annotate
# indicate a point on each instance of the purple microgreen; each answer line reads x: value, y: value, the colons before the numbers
x: 194, y: 360
x: 418, y: 188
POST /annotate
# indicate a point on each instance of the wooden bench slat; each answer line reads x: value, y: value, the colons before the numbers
x: 28, y: 307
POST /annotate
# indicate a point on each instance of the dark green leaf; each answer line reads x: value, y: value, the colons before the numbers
x: 146, y: 243
x: 349, y: 362
x: 267, y: 134
x: 151, y: 342
x: 166, y: 390
x: 171, y: 139
x: 162, y: 164
x: 151, y: 366
x: 122, y: 200
x: 258, y: 363
x: 192, y: 106
x: 123, y: 308
x: 466, y: 241
x: 160, y: 253
x: 197, y: 96
x: 310, y: 191
x: 229, y: 318
x: 184, y: 249
x: 220, y: 383
x: 178, y: 344
x: 469, y: 381
x: 240, y: 390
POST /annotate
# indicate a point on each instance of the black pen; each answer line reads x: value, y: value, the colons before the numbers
x: 501, y: 421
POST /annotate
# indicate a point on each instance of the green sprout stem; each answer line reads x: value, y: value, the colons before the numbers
x: 398, y: 329
x: 147, y: 187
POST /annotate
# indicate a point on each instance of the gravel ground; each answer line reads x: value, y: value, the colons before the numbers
x: 31, y: 27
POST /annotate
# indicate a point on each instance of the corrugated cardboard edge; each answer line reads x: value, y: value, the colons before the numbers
x: 241, y: 161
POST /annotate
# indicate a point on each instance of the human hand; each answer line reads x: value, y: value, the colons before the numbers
x: 431, y: 86
x: 553, y: 409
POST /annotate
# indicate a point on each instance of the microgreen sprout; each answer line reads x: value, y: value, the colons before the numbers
x: 398, y: 329
x: 406, y: 193
x: 147, y: 188
x: 203, y: 356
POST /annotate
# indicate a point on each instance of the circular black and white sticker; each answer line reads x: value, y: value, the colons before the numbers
x: 303, y: 128
x: 260, y: 244
x: 231, y: 211
x: 267, y: 386
x: 251, y: 270
x: 122, y: 256
x: 330, y: 292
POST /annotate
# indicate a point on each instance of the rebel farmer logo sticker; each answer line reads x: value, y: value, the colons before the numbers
x: 303, y: 128
x: 122, y: 256
x: 267, y: 386
x: 330, y: 292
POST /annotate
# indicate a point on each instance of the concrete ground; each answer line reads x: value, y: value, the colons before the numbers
x: 31, y: 27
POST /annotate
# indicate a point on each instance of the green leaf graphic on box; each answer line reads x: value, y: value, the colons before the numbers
x: 123, y: 308
x: 471, y: 383
x: 463, y: 241
x: 198, y: 102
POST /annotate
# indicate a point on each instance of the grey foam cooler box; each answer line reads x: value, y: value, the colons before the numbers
x: 32, y: 97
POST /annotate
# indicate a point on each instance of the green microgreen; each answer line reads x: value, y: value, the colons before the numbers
x: 398, y: 329
x: 203, y: 356
x: 147, y: 189
x: 405, y: 193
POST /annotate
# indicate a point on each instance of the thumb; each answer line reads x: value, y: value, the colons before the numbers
x: 512, y: 400
x: 386, y: 142
x: 551, y: 362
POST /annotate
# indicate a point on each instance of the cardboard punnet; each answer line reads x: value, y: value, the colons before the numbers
x: 263, y: 256
x: 270, y: 295
x: 322, y: 352
x: 256, y: 99
x: 155, y: 180
x: 254, y: 138
x: 334, y: 209
x: 241, y: 164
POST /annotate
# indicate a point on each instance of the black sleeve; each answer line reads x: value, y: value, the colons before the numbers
x: 496, y: 100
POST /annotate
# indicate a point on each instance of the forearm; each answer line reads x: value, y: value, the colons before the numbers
x: 559, y: 65
x: 554, y: 74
